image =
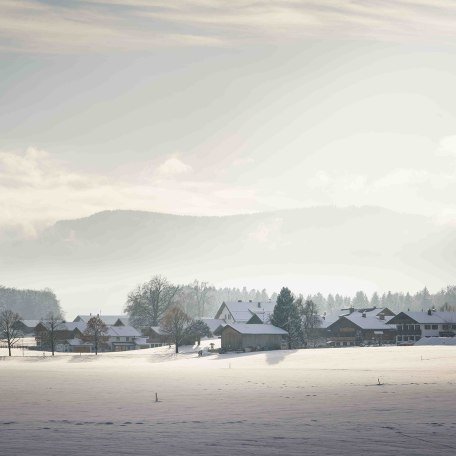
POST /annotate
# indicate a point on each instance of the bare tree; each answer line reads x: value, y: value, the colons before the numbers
x: 149, y: 301
x: 201, y: 295
x: 96, y: 331
x: 176, y: 323
x: 310, y: 322
x: 8, y: 328
x: 53, y: 322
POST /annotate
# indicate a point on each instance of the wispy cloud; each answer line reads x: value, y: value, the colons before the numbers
x: 132, y: 25
x: 36, y: 190
x: 173, y: 167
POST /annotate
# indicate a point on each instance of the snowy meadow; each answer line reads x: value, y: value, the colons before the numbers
x: 351, y: 401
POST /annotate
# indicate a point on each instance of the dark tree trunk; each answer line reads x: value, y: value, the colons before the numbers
x: 177, y: 346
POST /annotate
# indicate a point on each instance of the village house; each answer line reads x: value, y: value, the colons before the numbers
x: 362, y: 327
x: 246, y: 312
x: 63, y: 333
x: 71, y: 337
x: 251, y: 337
x: 123, y: 338
x: 412, y: 326
x: 26, y: 327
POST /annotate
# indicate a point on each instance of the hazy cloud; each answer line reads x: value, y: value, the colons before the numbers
x: 123, y: 25
x: 36, y: 190
x: 173, y: 167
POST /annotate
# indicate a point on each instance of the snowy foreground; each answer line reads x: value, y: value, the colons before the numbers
x: 306, y: 402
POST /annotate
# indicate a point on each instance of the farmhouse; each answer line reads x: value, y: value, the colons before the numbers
x: 70, y: 337
x: 246, y: 312
x: 368, y: 327
x: 412, y: 326
x: 242, y: 336
x: 26, y: 327
x: 62, y: 334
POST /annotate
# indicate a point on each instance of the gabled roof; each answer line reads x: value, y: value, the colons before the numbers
x: 213, y: 323
x: 30, y: 323
x: 242, y: 311
x: 425, y: 318
x: 78, y: 342
x: 367, y: 322
x: 159, y: 331
x: 107, y: 319
x: 244, y: 328
x: 123, y: 331
x: 327, y: 320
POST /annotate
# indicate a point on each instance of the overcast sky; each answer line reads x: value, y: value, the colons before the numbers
x: 220, y: 107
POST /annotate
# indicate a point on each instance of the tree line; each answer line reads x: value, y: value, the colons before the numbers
x: 445, y: 299
x: 29, y: 304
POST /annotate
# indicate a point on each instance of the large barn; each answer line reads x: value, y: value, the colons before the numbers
x: 242, y: 336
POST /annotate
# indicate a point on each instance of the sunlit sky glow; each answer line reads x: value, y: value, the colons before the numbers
x: 221, y: 107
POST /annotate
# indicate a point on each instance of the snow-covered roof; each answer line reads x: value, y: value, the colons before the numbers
x: 123, y: 331
x: 107, y: 319
x: 436, y: 341
x: 369, y: 321
x: 78, y: 342
x: 242, y: 311
x: 213, y: 323
x: 72, y: 325
x: 244, y: 328
x: 327, y: 320
x: 159, y: 330
x: 30, y: 323
x: 433, y: 318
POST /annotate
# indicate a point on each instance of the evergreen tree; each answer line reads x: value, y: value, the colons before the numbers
x: 286, y: 316
x: 331, y: 303
x: 375, y: 300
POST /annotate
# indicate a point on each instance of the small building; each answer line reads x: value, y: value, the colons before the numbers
x: 243, y: 336
x: 412, y: 326
x: 155, y: 336
x: 26, y: 327
x: 62, y: 333
x: 123, y: 338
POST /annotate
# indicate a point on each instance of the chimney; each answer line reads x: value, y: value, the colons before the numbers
x: 363, y: 315
x: 250, y: 300
x: 239, y: 300
x: 429, y: 312
x: 259, y: 305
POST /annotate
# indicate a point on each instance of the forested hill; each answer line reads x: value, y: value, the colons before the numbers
x: 29, y: 304
x: 94, y: 262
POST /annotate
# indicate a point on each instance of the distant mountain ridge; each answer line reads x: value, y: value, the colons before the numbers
x: 365, y: 244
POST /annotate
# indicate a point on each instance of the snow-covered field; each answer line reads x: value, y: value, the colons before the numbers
x: 306, y: 402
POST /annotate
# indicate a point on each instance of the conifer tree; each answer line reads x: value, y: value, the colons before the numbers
x: 286, y: 316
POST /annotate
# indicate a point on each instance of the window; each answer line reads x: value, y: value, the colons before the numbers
x: 427, y: 326
x: 399, y: 338
x: 417, y: 327
x: 435, y: 326
x: 399, y: 327
x: 446, y: 327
